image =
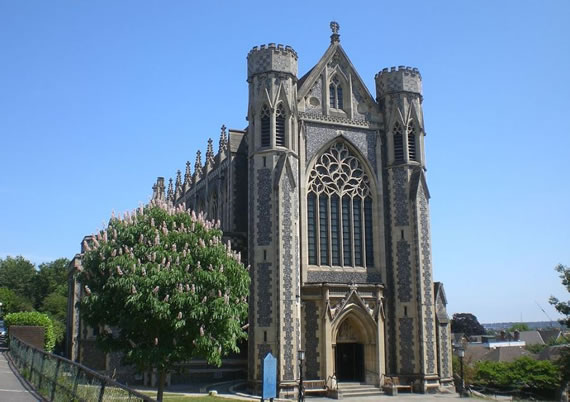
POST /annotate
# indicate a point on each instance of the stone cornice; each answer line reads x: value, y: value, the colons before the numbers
x: 343, y: 121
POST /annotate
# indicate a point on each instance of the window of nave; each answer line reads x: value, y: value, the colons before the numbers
x: 335, y: 94
x: 339, y: 210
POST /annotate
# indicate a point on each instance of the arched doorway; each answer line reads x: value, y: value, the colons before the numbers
x: 350, y: 359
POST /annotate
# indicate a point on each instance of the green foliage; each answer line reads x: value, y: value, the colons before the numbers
x: 34, y: 318
x: 563, y: 307
x: 519, y: 326
x: 51, y: 277
x: 12, y: 302
x: 536, y: 348
x: 468, y: 369
x: 56, y: 306
x: 522, y: 373
x: 17, y: 274
x: 466, y: 323
x: 164, y: 282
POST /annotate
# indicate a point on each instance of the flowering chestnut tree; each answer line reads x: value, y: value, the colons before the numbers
x: 164, y: 288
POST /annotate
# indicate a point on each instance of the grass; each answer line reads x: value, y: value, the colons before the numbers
x: 170, y: 397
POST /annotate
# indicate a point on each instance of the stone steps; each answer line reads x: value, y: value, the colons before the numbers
x: 355, y: 389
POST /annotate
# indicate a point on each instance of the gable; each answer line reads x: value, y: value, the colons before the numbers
x: 335, y: 64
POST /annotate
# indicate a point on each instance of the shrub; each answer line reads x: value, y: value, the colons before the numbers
x: 33, y: 318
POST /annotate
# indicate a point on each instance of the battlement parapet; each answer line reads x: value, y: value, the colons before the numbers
x: 398, y: 79
x: 271, y: 57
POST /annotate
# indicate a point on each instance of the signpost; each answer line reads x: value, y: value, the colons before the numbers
x: 269, y: 377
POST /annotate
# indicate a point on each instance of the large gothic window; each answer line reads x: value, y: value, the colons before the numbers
x: 339, y: 211
x: 265, y: 127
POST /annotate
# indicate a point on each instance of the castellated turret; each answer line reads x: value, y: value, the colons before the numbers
x: 399, y: 93
x: 272, y: 78
x: 401, y: 79
x: 271, y: 58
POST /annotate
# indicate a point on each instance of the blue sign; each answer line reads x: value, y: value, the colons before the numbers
x: 269, y: 377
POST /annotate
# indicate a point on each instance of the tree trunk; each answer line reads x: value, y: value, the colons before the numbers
x: 161, y: 381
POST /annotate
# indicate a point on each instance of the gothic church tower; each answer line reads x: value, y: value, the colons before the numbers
x: 273, y: 211
x: 411, y: 333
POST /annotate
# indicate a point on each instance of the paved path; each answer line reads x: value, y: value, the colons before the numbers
x: 12, y: 387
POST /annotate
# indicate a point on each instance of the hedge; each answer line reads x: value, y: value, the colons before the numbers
x: 33, y: 318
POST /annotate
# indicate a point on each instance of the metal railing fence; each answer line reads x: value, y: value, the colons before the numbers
x: 58, y: 379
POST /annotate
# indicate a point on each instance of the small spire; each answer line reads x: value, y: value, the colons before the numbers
x: 198, y: 166
x: 209, y: 150
x: 178, y: 187
x: 170, y: 193
x: 335, y: 37
x: 188, y: 174
x: 158, y: 189
x: 178, y: 178
x: 223, y: 140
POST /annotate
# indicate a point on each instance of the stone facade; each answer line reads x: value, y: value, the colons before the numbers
x: 337, y: 225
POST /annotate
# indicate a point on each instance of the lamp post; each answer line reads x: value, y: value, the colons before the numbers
x: 301, y: 357
x: 461, y: 353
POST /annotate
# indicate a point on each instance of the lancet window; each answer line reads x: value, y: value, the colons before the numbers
x: 335, y: 94
x: 398, y: 143
x: 265, y: 127
x: 339, y: 211
x: 411, y: 141
x: 280, y: 125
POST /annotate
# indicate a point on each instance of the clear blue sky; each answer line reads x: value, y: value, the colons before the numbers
x: 99, y: 98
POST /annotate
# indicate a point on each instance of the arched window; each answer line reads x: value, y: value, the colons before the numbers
x: 411, y: 141
x: 339, y: 211
x: 265, y: 127
x: 335, y: 94
x: 398, y: 143
x: 280, y: 126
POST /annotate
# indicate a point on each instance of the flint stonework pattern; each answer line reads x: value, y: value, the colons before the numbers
x: 400, y: 196
x: 263, y: 207
x: 407, y: 359
x: 404, y: 271
x: 444, y: 350
x: 251, y: 314
x: 343, y: 277
x: 425, y: 247
x: 264, y: 305
x: 311, y: 339
x: 318, y: 135
x: 262, y: 351
x: 287, y: 268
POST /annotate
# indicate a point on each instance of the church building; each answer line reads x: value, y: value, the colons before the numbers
x: 337, y: 228
x: 325, y: 192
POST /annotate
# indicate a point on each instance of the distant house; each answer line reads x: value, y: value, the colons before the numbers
x: 552, y: 352
x: 531, y: 338
x: 550, y: 335
x: 507, y: 354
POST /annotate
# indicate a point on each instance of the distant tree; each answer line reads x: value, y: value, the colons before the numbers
x: 466, y: 323
x: 17, y: 274
x: 51, y: 278
x: 12, y: 302
x: 564, y: 309
x: 167, y: 287
x: 523, y: 374
x: 519, y: 326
